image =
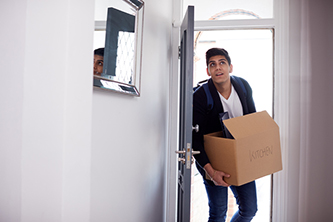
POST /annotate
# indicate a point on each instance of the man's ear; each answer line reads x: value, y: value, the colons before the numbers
x: 231, y: 68
x: 207, y: 70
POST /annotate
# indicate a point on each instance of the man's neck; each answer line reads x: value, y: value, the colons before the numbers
x: 224, y: 88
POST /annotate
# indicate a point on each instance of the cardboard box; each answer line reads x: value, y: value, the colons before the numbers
x: 253, y: 153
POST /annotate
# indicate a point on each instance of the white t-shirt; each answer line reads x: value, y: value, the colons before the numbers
x: 232, y: 105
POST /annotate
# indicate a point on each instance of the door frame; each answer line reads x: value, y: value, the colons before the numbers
x: 281, y: 108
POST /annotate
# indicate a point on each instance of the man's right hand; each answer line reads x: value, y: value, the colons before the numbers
x: 216, y: 176
x: 218, y: 179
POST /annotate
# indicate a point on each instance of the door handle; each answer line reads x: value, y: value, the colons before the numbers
x: 182, y: 159
x: 180, y: 151
x: 183, y: 152
x: 194, y: 153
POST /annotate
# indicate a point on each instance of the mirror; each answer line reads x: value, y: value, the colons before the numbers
x: 120, y: 35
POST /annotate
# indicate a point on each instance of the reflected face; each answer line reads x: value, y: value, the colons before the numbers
x: 219, y: 69
x: 98, y: 64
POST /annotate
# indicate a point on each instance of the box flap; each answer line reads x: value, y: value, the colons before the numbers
x: 250, y: 124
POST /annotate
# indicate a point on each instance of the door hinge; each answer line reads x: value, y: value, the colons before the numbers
x: 179, y: 52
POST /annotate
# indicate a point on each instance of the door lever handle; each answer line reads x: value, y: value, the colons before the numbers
x: 183, y: 152
x: 194, y: 153
x: 180, y: 151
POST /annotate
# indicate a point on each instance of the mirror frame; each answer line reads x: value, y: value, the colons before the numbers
x: 106, y: 82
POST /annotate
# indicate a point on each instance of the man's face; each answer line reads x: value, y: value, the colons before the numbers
x: 218, y: 68
x: 98, y: 65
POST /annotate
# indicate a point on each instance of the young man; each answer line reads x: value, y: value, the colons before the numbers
x: 98, y: 65
x: 228, y: 96
x: 98, y: 61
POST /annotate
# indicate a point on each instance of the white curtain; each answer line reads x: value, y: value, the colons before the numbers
x: 315, y: 108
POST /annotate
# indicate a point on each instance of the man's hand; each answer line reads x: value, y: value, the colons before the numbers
x: 216, y: 176
x: 219, y: 180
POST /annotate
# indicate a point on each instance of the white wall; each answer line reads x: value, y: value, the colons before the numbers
x: 46, y: 109
x: 68, y: 152
x: 11, y: 111
x: 129, y: 134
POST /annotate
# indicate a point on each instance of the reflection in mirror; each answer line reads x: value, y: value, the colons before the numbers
x: 122, y: 32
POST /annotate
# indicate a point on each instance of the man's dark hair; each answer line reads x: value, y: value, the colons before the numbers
x: 99, y: 52
x: 217, y: 51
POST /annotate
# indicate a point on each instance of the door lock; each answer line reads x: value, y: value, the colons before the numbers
x: 183, y: 152
x: 180, y: 159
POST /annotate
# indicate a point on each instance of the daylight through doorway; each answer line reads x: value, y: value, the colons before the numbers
x: 251, y: 53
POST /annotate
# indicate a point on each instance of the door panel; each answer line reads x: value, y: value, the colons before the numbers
x: 185, y: 117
